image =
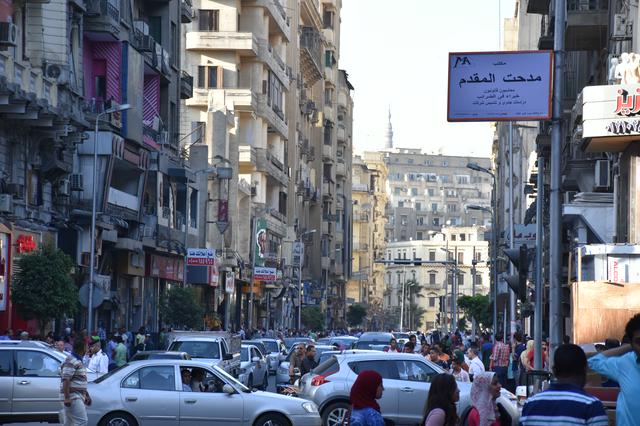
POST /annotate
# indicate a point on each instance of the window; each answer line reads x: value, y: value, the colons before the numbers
x: 478, y: 279
x: 201, y: 349
x: 414, y: 191
x: 436, y: 221
x: 160, y: 378
x: 397, y: 191
x: 327, y: 19
x: 175, y: 44
x: 329, y: 61
x: 445, y: 164
x: 209, y: 77
x: 432, y: 255
x: 477, y: 256
x: 463, y: 237
x: 388, y: 254
x: 404, y: 253
x: 434, y: 207
x: 432, y: 280
x: 432, y: 302
x: 452, y: 208
x: 460, y: 280
x: 36, y: 364
x: 414, y: 371
x: 431, y: 192
x: 327, y: 96
x: 444, y: 179
x: 400, y: 203
x: 387, y: 369
x: 418, y: 206
x: 419, y: 235
x: 6, y: 359
x: 462, y: 180
x: 454, y: 237
x: 413, y: 256
x: 420, y: 221
x: 461, y: 257
x: 208, y: 20
x: 155, y: 28
x: 403, y: 219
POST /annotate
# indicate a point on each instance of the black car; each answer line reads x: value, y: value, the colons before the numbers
x: 143, y: 355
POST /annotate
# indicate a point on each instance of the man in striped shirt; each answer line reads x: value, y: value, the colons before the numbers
x: 73, y: 386
x: 565, y: 402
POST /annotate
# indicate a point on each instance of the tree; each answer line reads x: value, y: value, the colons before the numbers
x: 312, y: 317
x: 355, y: 314
x: 43, y: 287
x: 179, y: 308
x: 477, y: 307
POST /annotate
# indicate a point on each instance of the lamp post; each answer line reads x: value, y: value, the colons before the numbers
x: 300, y: 263
x: 117, y: 108
x: 494, y: 237
x: 454, y: 278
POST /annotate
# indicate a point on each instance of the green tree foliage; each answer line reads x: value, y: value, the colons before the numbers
x: 477, y: 307
x: 356, y: 314
x: 43, y: 287
x: 312, y: 318
x: 180, y: 309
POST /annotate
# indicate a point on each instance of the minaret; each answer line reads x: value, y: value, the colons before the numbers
x: 388, y: 141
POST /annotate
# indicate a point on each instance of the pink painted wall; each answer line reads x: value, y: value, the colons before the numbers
x: 109, y: 54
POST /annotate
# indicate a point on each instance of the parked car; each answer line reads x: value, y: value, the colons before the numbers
x: 289, y: 341
x: 275, y: 353
x: 373, y: 340
x: 150, y: 392
x: 282, y: 377
x: 30, y: 381
x: 258, y: 344
x: 218, y: 348
x: 142, y: 355
x: 343, y: 342
x: 406, y: 380
x: 253, y: 368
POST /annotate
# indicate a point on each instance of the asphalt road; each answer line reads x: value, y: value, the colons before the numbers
x: 270, y: 388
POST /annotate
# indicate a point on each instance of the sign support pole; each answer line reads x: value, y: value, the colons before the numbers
x: 555, y: 219
x: 512, y: 294
x: 537, y: 316
x: 254, y: 241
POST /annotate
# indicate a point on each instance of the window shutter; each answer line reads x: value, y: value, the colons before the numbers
x: 201, y: 76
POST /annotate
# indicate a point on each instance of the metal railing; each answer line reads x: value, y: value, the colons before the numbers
x: 311, y: 42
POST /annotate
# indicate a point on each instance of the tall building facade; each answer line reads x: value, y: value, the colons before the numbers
x: 423, y: 293
x: 366, y: 285
x: 427, y: 192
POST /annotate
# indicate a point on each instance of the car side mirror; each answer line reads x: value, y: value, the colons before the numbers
x: 228, y: 389
x: 227, y: 357
x: 255, y: 359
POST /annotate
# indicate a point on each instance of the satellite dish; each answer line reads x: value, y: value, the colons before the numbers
x: 83, y: 295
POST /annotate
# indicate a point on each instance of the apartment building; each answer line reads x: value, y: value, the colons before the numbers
x: 421, y: 292
x: 64, y: 77
x: 366, y: 285
x: 427, y: 192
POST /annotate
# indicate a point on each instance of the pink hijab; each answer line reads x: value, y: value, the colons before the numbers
x: 482, y: 399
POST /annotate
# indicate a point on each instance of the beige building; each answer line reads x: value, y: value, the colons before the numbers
x: 428, y: 287
x: 366, y: 285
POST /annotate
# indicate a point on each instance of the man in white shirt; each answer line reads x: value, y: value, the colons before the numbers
x: 99, y: 361
x: 475, y: 365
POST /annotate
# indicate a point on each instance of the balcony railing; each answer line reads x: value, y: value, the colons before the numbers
x: 186, y: 85
x: 311, y: 54
x: 103, y: 16
x: 186, y: 11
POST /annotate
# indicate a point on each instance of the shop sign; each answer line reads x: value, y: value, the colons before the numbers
x: 500, y: 86
x: 261, y: 273
x: 25, y: 244
x: 611, y: 111
x: 298, y: 253
x: 168, y: 268
x: 214, y: 274
x: 200, y: 256
x: 260, y: 243
x: 229, y: 283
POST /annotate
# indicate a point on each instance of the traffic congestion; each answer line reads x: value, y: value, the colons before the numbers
x: 265, y: 378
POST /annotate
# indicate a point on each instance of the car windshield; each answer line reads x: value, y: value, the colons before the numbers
x: 370, y: 344
x: 198, y: 349
x: 244, y: 355
x: 109, y: 374
x: 271, y: 346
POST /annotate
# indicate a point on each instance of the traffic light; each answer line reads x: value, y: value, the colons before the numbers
x: 520, y: 259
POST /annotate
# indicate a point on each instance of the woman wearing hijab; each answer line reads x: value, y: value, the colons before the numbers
x: 484, y: 392
x: 441, y: 402
x: 365, y: 410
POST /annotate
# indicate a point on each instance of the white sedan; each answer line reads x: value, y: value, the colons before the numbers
x: 254, y: 369
x: 159, y: 392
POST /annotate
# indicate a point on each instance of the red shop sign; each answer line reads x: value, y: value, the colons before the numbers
x: 25, y: 244
x: 169, y: 268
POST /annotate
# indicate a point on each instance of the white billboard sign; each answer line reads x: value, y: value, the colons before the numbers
x: 261, y: 273
x: 500, y: 86
x: 610, y: 113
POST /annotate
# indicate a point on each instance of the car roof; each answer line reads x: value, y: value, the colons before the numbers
x: 25, y: 343
x: 197, y: 339
x: 160, y: 352
x: 376, y: 336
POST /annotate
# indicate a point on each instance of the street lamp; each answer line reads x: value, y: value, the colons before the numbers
x: 454, y: 280
x: 494, y: 236
x: 300, y: 262
x: 117, y: 108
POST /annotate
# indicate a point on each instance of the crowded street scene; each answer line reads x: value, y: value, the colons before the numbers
x: 319, y: 212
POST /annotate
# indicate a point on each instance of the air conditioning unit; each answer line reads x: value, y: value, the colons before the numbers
x: 8, y: 34
x: 141, y: 26
x: 148, y: 44
x: 64, y: 188
x: 57, y: 72
x: 6, y: 203
x: 76, y: 182
x: 603, y: 175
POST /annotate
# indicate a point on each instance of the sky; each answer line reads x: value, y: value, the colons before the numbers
x: 396, y: 51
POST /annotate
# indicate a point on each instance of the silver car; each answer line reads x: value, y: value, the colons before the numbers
x: 275, y: 353
x: 282, y: 376
x: 152, y: 392
x: 253, y: 368
x: 406, y: 379
x: 30, y: 381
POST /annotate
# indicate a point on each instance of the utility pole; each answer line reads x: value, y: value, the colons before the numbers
x: 537, y: 316
x: 555, y: 219
x: 254, y: 242
x: 512, y: 295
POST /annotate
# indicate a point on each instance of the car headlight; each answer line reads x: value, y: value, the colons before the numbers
x: 310, y: 407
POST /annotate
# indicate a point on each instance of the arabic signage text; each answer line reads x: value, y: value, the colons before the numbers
x: 264, y: 274
x: 500, y: 86
x: 200, y: 256
x: 611, y: 111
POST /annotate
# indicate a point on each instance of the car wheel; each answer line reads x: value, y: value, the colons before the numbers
x: 272, y: 419
x: 118, y: 419
x: 334, y: 414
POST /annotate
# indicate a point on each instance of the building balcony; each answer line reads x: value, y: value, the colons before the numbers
x: 341, y: 169
x: 102, y: 16
x: 360, y: 187
x: 234, y: 99
x: 341, y: 133
x: 326, y: 227
x: 326, y: 189
x: 278, y: 19
x: 328, y: 35
x: 327, y: 152
x: 587, y: 24
x: 269, y: 56
x: 311, y: 52
x: 274, y: 116
x: 268, y: 163
x: 244, y: 44
x: 186, y: 85
x: 19, y: 80
x: 186, y: 11
x: 123, y: 199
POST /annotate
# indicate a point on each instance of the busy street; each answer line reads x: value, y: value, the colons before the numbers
x: 320, y: 212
